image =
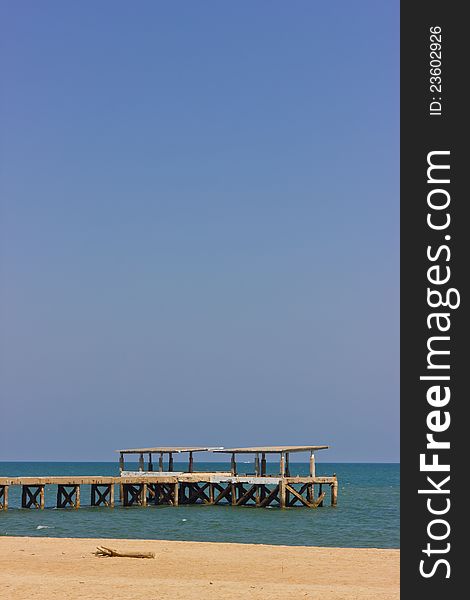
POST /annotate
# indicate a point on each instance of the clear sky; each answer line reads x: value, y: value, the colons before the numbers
x: 199, y: 236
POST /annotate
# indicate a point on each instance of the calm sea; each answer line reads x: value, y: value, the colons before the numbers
x: 367, y: 514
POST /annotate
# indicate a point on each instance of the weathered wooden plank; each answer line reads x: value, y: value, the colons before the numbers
x: 224, y: 493
x: 319, y: 500
x: 310, y: 479
x: 304, y: 487
x: 198, y: 492
x: 247, y: 495
x: 249, y: 480
x: 298, y: 495
x: 270, y: 496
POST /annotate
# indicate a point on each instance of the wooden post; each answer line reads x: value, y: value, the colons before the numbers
x: 282, y: 493
x: 334, y: 491
x: 287, y: 465
x: 283, y: 464
x: 111, y: 495
x: 141, y: 462
x: 176, y: 495
x: 211, y: 493
x: 121, y: 462
x: 263, y: 464
x: 233, y: 465
x: 124, y: 494
x: 160, y: 462
x: 191, y: 463
x: 312, y: 464
x: 311, y: 487
x: 170, y: 462
x: 311, y: 492
x: 121, y: 493
x: 41, y: 497
x: 3, y: 497
x: 262, y: 494
x: 234, y: 494
x: 320, y: 492
x: 143, y: 495
x: 150, y: 465
x: 257, y: 465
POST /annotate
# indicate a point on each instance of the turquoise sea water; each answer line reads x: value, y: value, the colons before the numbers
x: 367, y: 514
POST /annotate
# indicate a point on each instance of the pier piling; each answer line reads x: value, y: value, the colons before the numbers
x: 102, y: 494
x: 334, y: 491
x: 3, y: 497
x: 29, y: 496
x: 68, y: 495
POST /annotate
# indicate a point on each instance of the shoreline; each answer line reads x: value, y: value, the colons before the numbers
x: 47, y: 567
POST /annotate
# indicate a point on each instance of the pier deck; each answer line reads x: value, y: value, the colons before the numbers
x: 188, y: 488
x: 169, y: 487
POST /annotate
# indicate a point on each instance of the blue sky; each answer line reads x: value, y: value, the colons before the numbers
x: 199, y: 226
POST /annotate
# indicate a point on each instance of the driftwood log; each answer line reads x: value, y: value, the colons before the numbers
x: 103, y: 551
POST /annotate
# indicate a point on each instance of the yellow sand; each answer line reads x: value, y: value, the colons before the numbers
x: 53, y: 568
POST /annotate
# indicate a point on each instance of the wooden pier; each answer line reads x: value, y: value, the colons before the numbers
x: 167, y: 487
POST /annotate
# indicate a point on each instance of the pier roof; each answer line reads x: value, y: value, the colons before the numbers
x: 168, y: 449
x: 270, y: 449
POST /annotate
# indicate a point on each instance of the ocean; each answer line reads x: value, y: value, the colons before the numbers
x: 367, y: 515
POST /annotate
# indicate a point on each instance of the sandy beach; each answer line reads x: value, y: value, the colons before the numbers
x: 50, y: 568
